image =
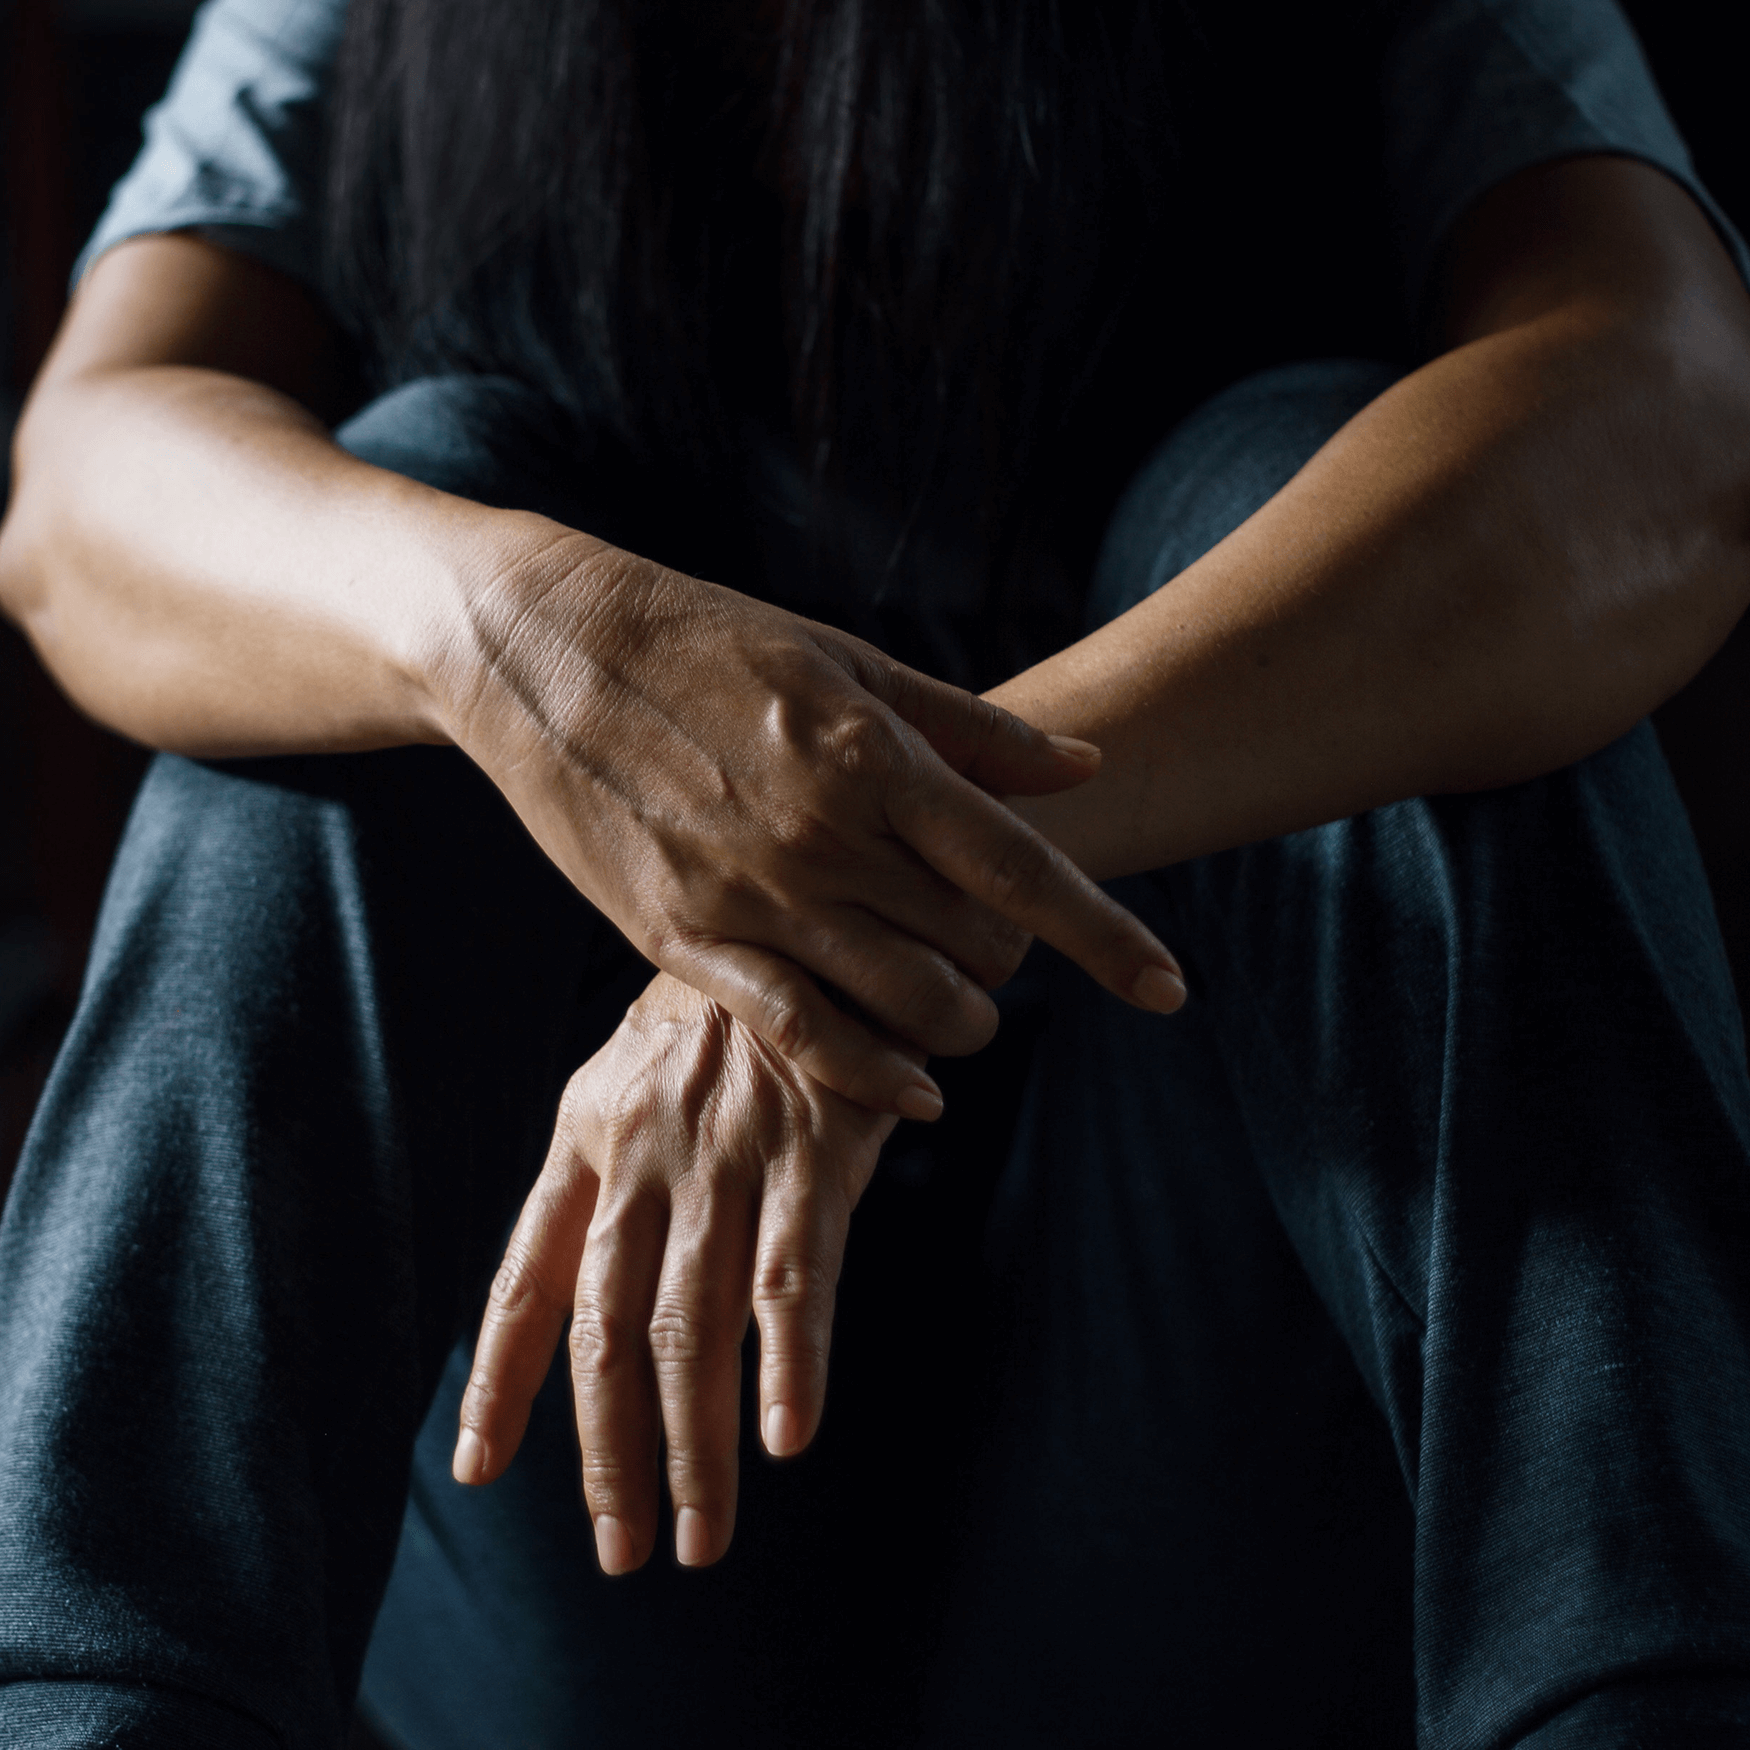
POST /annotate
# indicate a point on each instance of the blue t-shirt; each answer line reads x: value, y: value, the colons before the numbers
x: 1471, y: 92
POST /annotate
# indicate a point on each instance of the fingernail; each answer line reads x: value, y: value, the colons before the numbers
x: 692, y: 1538
x: 613, y: 1545
x: 922, y: 1101
x: 469, y: 1464
x: 783, y: 1431
x: 1158, y: 989
x: 1076, y: 749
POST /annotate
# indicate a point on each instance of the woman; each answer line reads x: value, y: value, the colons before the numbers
x: 867, y: 319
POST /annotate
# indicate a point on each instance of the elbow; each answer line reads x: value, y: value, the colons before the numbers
x: 14, y: 586
x: 25, y: 567
x: 23, y: 595
x: 44, y: 579
x: 1690, y: 611
x: 27, y: 594
x: 1695, y: 445
x: 1664, y: 565
x: 41, y: 594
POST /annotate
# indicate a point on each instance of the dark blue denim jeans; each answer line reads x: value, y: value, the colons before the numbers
x: 1357, y: 1358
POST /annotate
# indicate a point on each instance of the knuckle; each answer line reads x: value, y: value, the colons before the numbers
x: 985, y: 722
x: 482, y: 1398
x: 935, y: 1014
x: 793, y: 1285
x: 584, y: 1126
x: 601, y: 1339
x: 1018, y: 870
x: 789, y: 1027
x: 574, y: 1103
x: 617, y: 1124
x: 515, y: 1284
x: 903, y: 689
x: 860, y: 744
x: 607, y: 1478
x: 620, y: 1118
x: 1005, y: 948
x: 683, y: 1336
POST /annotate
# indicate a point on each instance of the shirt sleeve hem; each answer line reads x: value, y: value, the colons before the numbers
x: 1541, y: 84
x: 262, y: 234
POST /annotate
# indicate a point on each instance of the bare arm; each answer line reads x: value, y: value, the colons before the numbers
x: 1493, y: 570
x: 749, y: 796
x: 197, y: 562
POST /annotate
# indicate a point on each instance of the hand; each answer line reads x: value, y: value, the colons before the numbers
x: 752, y: 798
x: 695, y: 1174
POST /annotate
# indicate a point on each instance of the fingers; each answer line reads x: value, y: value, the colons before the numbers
x: 991, y: 747
x: 997, y: 858
x: 695, y: 1343
x: 671, y: 1142
x: 900, y: 983
x: 909, y: 895
x: 801, y: 1247
x: 914, y: 953
x: 525, y: 1313
x: 618, y: 1426
x: 779, y: 1001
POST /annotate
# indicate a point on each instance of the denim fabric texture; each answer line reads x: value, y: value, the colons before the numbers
x: 1357, y: 1358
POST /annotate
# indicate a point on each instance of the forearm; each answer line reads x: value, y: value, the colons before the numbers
x: 204, y: 569
x: 1494, y: 570
x: 199, y: 563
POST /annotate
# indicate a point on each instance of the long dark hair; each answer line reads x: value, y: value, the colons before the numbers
x: 899, y: 227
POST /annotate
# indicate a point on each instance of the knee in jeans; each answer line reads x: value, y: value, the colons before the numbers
x: 488, y: 438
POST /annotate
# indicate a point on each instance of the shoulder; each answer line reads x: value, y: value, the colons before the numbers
x: 1474, y: 91
x: 236, y: 144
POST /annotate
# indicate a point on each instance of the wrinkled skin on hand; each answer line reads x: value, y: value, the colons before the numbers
x: 696, y: 1176
x: 753, y: 798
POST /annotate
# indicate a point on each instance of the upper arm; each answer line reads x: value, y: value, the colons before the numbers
x: 232, y: 153
x: 1607, y: 234
x: 179, y: 300
x: 1532, y: 161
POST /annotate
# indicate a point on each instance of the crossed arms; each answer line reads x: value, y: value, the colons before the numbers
x: 1494, y: 569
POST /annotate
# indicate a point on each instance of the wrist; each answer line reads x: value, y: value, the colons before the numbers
x: 1071, y: 818
x: 506, y: 586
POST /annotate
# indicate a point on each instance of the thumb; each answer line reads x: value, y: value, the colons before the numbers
x: 994, y: 748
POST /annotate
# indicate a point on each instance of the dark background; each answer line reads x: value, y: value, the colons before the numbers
x: 77, y: 75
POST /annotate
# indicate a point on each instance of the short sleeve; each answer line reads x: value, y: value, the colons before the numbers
x: 1475, y: 90
x: 236, y: 145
